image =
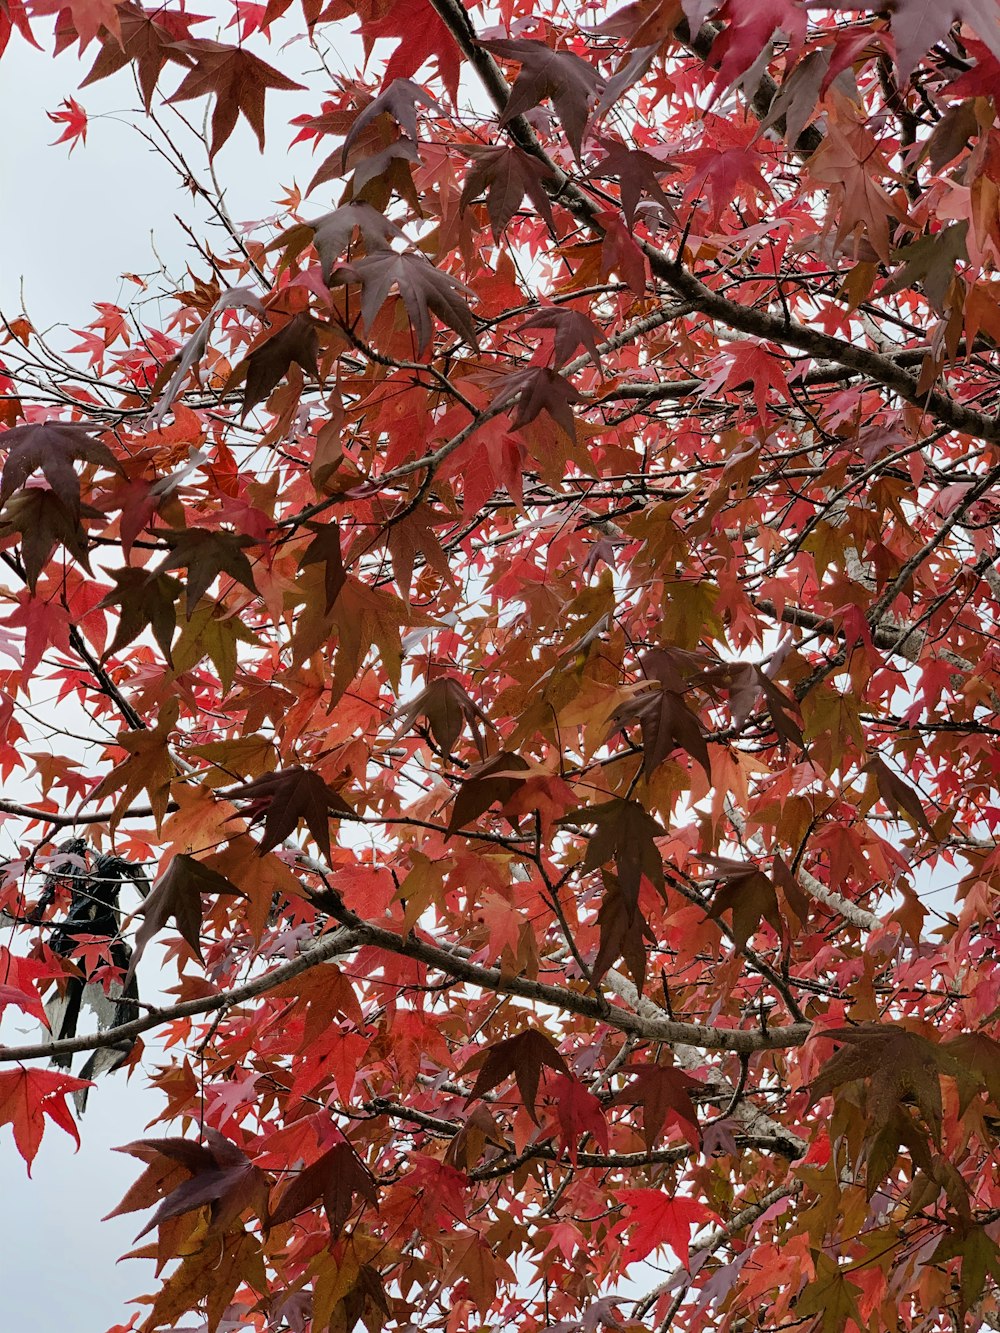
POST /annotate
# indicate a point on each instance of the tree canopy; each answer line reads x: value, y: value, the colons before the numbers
x: 532, y: 602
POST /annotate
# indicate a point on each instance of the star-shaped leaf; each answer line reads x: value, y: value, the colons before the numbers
x: 238, y: 80
x: 282, y: 799
x: 269, y: 363
x: 423, y: 288
x: 521, y: 1056
x: 207, y: 553
x: 177, y: 894
x: 335, y: 1179
x: 566, y: 79
x: 51, y: 447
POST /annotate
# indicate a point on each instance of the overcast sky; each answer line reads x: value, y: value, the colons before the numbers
x: 70, y: 225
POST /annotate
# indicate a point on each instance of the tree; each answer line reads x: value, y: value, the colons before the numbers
x: 536, y: 617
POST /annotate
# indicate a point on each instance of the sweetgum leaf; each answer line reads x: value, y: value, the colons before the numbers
x: 424, y: 290
x: 506, y: 175
x: 207, y: 553
x: 522, y: 1056
x: 177, y: 894
x: 566, y: 79
x: 51, y: 447
x: 335, y: 1179
x: 282, y: 799
x: 237, y: 79
x: 269, y: 363
x: 399, y: 100
x: 573, y: 329
x: 324, y: 549
x: 539, y: 389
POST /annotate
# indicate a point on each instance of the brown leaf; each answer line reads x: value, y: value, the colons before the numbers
x: 282, y: 799
x: 626, y: 834
x: 324, y: 549
x: 446, y: 706
x: 539, y: 389
x: 399, y: 100
x: 207, y: 553
x: 335, y: 1178
x: 269, y: 363
x: 506, y: 175
x: 484, y: 784
x: 566, y: 79
x: 45, y: 522
x: 177, y: 894
x: 898, y: 795
x: 148, y: 41
x: 747, y: 893
x: 661, y: 1090
x: 624, y: 933
x: 220, y: 1174
x: 51, y: 447
x: 239, y: 81
x: 424, y: 289
x: 573, y: 329
x: 521, y: 1056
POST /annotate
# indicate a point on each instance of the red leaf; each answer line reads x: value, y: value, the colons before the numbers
x: 27, y: 1096
x: 657, y: 1218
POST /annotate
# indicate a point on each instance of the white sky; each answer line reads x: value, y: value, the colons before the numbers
x: 69, y: 226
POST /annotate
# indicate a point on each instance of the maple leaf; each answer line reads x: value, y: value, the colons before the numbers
x: 507, y: 175
x: 269, y: 363
x: 177, y: 894
x: 27, y: 1096
x: 657, y: 1218
x: 577, y: 1112
x: 44, y: 523
x: 661, y: 1091
x: 220, y: 1175
x: 573, y: 329
x: 335, y: 1178
x: 447, y: 707
x: 399, y: 101
x: 637, y: 173
x: 284, y: 798
x: 146, y: 40
x: 746, y: 892
x: 51, y: 447
x: 423, y: 288
x: 207, y: 553
x: 493, y: 780
x: 14, y: 16
x: 238, y: 80
x: 422, y: 36
x: 539, y: 389
x: 523, y: 1056
x: 563, y: 77
x: 324, y: 549
x: 623, y: 933
x: 626, y: 834
x: 143, y: 598
x: 74, y: 121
